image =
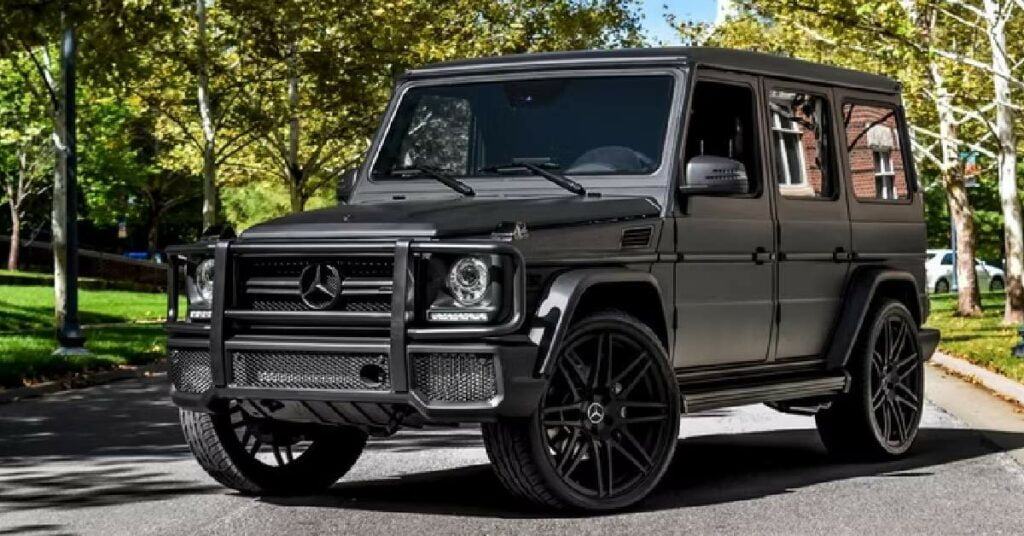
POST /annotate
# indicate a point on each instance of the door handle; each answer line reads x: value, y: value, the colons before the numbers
x: 841, y: 255
x: 761, y: 256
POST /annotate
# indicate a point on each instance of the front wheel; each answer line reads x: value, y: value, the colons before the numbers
x: 262, y: 457
x: 879, y: 417
x: 606, y: 427
x: 941, y: 286
x: 996, y: 284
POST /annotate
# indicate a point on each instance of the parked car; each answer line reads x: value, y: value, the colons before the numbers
x: 572, y: 249
x: 939, y: 269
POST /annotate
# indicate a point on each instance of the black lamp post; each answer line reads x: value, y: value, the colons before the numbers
x: 69, y: 334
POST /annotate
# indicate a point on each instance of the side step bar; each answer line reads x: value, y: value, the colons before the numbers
x: 776, y: 391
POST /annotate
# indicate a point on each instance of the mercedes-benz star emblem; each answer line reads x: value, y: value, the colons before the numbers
x: 595, y: 413
x: 320, y: 286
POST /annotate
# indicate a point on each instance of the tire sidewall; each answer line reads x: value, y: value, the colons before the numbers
x: 538, y: 442
x: 863, y: 372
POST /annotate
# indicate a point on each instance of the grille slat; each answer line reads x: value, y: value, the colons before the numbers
x: 455, y: 377
x: 308, y: 370
x: 272, y: 284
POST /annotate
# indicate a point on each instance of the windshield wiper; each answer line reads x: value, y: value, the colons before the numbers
x: 557, y: 178
x: 437, y: 175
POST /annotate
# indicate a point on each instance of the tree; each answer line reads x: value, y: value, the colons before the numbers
x: 322, y: 71
x: 25, y: 153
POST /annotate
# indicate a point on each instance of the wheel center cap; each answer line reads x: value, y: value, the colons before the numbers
x: 595, y: 413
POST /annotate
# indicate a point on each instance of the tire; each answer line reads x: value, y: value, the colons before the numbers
x: 996, y: 284
x: 606, y: 428
x: 942, y: 286
x: 879, y: 417
x: 230, y: 448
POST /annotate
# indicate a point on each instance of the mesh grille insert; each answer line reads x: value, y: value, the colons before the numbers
x: 310, y: 370
x: 190, y: 370
x: 455, y: 377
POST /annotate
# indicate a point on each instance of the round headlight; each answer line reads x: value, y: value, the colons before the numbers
x: 468, y: 279
x: 204, y: 279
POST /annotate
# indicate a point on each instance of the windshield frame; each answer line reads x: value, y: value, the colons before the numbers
x: 656, y: 183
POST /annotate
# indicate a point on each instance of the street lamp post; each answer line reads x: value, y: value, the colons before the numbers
x: 69, y: 333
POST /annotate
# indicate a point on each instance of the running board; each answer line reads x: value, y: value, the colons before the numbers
x: 776, y: 391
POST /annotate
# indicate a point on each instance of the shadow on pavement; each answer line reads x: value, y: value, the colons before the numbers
x: 92, y: 447
x: 706, y: 470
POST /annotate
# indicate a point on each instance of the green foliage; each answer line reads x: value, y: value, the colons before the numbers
x: 982, y: 341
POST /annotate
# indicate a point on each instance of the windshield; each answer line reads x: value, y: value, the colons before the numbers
x: 601, y: 125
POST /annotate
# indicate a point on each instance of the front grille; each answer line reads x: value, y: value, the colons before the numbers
x: 190, y: 370
x: 273, y: 284
x: 311, y: 370
x: 454, y: 377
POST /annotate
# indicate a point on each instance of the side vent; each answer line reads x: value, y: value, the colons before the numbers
x: 637, y: 237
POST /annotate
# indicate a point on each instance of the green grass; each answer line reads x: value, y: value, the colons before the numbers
x: 982, y: 341
x: 27, y: 335
x: 31, y: 307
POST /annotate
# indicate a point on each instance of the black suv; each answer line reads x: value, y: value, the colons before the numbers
x: 572, y: 249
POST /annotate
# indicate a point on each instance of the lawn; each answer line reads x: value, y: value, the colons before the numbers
x: 27, y: 337
x: 983, y: 341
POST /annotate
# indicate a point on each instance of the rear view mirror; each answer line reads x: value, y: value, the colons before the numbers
x: 346, y: 184
x: 715, y: 175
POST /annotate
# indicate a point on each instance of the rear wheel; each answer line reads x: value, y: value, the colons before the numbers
x: 606, y: 427
x: 263, y: 457
x: 996, y: 284
x: 879, y: 417
x: 941, y: 286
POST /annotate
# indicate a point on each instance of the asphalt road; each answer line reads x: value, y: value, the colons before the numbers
x: 110, y: 460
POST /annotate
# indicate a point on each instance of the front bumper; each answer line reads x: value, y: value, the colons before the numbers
x: 376, y: 370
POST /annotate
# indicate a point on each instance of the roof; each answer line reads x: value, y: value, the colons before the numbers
x: 723, y: 58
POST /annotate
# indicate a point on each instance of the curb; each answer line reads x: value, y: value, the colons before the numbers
x: 1002, y: 386
x: 78, y: 381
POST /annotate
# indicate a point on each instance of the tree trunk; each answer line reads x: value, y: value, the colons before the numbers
x: 206, y: 117
x: 59, y: 214
x: 1008, y: 200
x: 968, y: 297
x: 15, y: 249
x: 296, y: 180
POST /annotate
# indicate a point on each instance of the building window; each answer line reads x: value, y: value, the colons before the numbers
x: 788, y: 138
x: 802, y: 144
x: 885, y: 177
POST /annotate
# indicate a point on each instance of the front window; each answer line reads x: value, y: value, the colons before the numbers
x: 587, y: 126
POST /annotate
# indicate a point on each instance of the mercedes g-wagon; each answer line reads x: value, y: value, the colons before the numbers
x: 572, y: 249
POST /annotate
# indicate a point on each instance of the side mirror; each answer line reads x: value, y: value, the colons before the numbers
x: 346, y: 184
x: 715, y: 175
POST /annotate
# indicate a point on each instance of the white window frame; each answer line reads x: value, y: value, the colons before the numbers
x: 885, y: 174
x: 786, y: 181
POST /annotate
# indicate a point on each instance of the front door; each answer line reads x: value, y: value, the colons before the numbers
x: 814, y: 230
x: 725, y: 244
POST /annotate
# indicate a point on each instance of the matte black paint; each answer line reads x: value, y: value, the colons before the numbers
x: 761, y: 297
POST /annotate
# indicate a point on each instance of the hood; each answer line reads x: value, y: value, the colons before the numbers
x: 449, y: 217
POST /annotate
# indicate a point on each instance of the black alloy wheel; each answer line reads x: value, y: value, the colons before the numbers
x: 879, y: 417
x: 607, y: 424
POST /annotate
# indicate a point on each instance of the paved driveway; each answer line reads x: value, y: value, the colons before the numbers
x: 110, y: 460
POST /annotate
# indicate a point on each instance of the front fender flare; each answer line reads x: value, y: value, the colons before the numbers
x: 555, y: 310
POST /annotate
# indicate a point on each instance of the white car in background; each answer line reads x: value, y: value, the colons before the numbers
x: 939, y: 268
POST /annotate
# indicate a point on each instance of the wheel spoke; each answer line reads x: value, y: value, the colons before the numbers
x: 901, y: 431
x: 576, y: 458
x: 636, y: 379
x: 599, y: 467
x: 877, y: 399
x: 877, y: 363
x: 648, y: 405
x: 563, y: 422
x: 908, y: 393
x: 629, y: 456
x: 255, y: 447
x: 900, y: 342
x: 912, y: 361
x: 288, y: 453
x: 560, y: 409
x: 277, y: 456
x: 570, y: 380
x: 567, y: 454
x: 886, y: 421
x: 645, y: 418
x: 635, y: 444
x: 639, y: 361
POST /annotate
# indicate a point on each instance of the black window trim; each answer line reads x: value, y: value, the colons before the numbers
x: 825, y: 92
x: 906, y: 151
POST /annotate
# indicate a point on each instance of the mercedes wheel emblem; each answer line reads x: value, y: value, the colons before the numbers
x: 320, y: 286
x: 595, y: 413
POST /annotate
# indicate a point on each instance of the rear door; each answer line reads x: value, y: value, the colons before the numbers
x: 814, y: 247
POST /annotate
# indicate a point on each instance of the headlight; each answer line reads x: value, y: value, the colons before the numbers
x: 468, y: 280
x: 204, y: 279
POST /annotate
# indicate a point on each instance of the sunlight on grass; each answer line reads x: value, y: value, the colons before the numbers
x: 982, y: 341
